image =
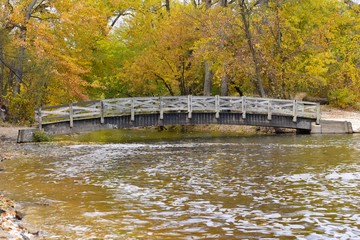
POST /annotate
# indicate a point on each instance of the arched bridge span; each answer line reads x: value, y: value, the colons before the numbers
x: 177, y: 110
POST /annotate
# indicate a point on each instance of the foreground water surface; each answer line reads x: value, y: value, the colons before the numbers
x: 189, y: 187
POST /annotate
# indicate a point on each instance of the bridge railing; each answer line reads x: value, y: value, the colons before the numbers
x: 189, y: 104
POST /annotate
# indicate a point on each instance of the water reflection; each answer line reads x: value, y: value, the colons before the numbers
x: 279, y: 187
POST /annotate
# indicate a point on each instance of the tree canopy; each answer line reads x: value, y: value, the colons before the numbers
x: 54, y: 52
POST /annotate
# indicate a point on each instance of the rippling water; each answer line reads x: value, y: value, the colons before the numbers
x: 278, y: 187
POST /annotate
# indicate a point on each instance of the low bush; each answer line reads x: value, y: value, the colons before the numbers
x: 41, y: 136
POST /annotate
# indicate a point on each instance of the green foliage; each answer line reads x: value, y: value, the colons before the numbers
x: 21, y: 110
x: 342, y: 98
x: 41, y: 136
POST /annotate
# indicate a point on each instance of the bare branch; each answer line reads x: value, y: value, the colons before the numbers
x: 165, y: 83
x: 10, y: 6
x: 11, y: 68
x: 119, y: 15
x: 29, y: 9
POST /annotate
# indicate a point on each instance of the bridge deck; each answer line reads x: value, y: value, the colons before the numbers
x: 183, y: 110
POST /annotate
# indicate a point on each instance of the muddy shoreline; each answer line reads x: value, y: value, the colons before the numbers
x: 12, y: 225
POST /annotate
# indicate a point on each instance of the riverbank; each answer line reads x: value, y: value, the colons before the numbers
x: 11, y: 226
x: 10, y: 221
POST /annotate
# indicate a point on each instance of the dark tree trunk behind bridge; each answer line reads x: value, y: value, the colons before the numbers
x: 245, y: 17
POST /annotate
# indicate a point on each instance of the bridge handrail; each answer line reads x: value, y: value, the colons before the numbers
x: 189, y: 104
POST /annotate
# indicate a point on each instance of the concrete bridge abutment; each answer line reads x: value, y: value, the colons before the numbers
x: 332, y: 127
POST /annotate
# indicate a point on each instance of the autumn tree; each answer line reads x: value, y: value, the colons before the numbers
x: 164, y: 62
x: 48, y: 51
x: 246, y: 13
x: 207, y: 66
x: 299, y: 53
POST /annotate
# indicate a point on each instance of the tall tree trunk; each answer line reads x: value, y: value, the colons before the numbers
x: 225, y: 84
x: 167, y: 5
x: 278, y: 38
x: 277, y: 80
x: 183, y: 89
x: 244, y: 12
x: 223, y: 3
x: 208, y: 3
x: 11, y: 75
x: 19, y: 67
x: 238, y: 90
x: 2, y: 71
x: 208, y: 79
x: 196, y: 3
x: 225, y: 80
x: 208, y: 72
x: 2, y: 68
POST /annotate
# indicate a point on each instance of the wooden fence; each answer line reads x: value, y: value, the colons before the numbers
x: 189, y: 104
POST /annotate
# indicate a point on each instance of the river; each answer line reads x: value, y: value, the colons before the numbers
x: 139, y: 185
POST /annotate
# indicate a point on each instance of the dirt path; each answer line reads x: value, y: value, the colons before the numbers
x: 9, y: 133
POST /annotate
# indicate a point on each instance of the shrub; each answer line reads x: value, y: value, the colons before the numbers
x: 41, y: 136
x: 342, y: 98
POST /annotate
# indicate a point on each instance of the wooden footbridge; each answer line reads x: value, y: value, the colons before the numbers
x: 177, y: 110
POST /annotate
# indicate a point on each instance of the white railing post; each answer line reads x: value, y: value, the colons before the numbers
x: 189, y: 106
x: 318, y: 113
x: 161, y: 108
x: 132, y: 118
x: 102, y: 111
x: 295, y: 111
x: 269, y: 111
x: 243, y: 107
x: 71, y: 115
x: 39, y: 118
x: 217, y: 106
